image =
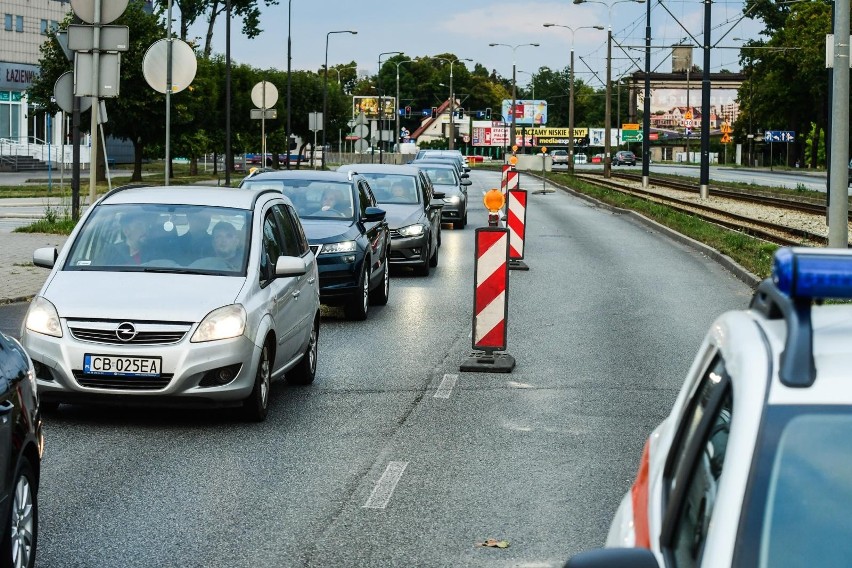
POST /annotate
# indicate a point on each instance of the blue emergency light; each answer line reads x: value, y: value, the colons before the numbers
x: 813, y: 273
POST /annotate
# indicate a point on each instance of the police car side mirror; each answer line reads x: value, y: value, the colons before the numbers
x: 614, y: 558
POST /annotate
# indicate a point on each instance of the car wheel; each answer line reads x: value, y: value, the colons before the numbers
x: 379, y: 296
x: 433, y: 260
x: 19, y: 542
x: 306, y: 370
x: 423, y: 269
x: 256, y: 406
x: 358, y: 305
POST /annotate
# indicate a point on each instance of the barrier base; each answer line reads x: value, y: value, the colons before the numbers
x: 518, y: 265
x: 543, y: 191
x: 488, y: 363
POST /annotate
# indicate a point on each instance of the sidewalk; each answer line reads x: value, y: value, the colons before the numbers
x: 20, y: 280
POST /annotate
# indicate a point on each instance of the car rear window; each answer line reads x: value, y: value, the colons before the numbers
x: 320, y: 199
x: 393, y: 188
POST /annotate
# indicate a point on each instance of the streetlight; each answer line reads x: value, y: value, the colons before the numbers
x: 452, y: 99
x: 571, y: 91
x: 289, y: 80
x: 532, y: 81
x: 607, y: 109
x: 381, y: 105
x: 396, y: 135
x: 339, y: 69
x: 514, y: 82
x: 325, y: 90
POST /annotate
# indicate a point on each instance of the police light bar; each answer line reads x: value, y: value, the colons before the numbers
x: 808, y: 273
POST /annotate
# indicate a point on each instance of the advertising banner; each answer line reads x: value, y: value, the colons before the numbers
x: 370, y: 107
x: 680, y: 109
x: 526, y: 112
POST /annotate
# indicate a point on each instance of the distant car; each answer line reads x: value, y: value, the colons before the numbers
x: 751, y: 466
x: 598, y: 159
x: 20, y: 454
x: 413, y: 212
x: 446, y: 179
x: 580, y: 159
x: 560, y: 157
x: 347, y: 232
x: 624, y: 158
x: 177, y: 295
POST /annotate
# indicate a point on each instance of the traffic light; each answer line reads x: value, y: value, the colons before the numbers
x: 434, y: 112
x: 461, y: 113
x: 488, y: 113
x: 293, y: 144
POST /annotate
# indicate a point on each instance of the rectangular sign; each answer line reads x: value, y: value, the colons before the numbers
x: 18, y: 76
x: 779, y: 136
x: 370, y: 107
x: 631, y: 135
x: 113, y: 38
x: 526, y: 112
x: 258, y: 114
x: 109, y: 72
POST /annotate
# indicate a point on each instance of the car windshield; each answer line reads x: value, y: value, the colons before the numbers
x: 440, y: 176
x: 313, y: 199
x: 392, y: 188
x: 807, y: 495
x: 194, y: 239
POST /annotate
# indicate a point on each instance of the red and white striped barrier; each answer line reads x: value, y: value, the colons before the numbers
x: 503, y: 175
x: 490, y: 302
x: 513, y: 180
x: 517, y: 221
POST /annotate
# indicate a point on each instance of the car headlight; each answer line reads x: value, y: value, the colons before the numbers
x: 345, y: 246
x: 411, y: 230
x: 42, y: 317
x: 453, y: 199
x: 222, y: 323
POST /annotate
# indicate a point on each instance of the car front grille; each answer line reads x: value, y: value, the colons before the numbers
x: 394, y: 234
x: 122, y: 383
x: 109, y: 332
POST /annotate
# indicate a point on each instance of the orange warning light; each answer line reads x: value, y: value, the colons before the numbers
x: 493, y: 200
x: 513, y: 160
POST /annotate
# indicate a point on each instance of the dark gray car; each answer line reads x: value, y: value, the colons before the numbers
x: 445, y: 178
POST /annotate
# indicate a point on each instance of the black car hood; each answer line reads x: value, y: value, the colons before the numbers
x: 401, y: 215
x: 329, y: 230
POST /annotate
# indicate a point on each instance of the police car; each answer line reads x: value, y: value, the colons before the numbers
x: 753, y: 467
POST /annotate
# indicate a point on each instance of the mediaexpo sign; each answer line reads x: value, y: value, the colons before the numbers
x: 487, y: 133
x: 17, y: 76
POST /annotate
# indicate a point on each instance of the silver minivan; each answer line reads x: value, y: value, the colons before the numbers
x: 186, y: 295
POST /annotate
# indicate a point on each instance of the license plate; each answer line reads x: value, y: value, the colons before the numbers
x: 122, y: 366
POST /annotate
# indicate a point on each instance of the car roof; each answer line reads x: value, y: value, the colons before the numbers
x: 436, y: 163
x: 186, y: 195
x: 318, y: 175
x: 379, y: 168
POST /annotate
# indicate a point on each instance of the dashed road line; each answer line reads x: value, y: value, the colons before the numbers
x: 446, y: 386
x: 384, y: 489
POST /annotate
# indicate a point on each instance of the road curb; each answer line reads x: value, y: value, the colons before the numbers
x: 739, y: 271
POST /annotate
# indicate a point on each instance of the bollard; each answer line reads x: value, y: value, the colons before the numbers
x: 516, y: 223
x: 490, y: 303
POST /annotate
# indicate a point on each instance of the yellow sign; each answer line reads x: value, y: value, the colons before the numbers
x: 630, y: 127
x: 493, y: 200
x: 513, y: 160
x: 688, y: 115
x: 726, y: 138
x: 726, y: 128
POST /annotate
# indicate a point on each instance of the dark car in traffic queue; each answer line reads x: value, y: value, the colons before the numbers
x: 350, y: 236
x: 624, y: 158
x: 445, y: 179
x: 413, y: 212
x: 20, y: 455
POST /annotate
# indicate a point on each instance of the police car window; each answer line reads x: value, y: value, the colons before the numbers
x: 699, y: 499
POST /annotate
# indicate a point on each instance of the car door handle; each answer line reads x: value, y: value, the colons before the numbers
x: 297, y: 293
x: 6, y: 407
x: 311, y: 280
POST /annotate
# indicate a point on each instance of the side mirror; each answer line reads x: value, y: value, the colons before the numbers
x: 438, y: 195
x: 373, y: 215
x: 466, y: 182
x: 464, y: 176
x: 436, y: 204
x: 290, y: 266
x: 466, y: 169
x: 614, y: 558
x: 45, y: 257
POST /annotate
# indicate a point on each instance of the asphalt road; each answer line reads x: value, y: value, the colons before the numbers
x: 368, y: 467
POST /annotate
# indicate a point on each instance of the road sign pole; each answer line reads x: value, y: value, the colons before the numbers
x: 263, y: 126
x: 168, y: 164
x: 93, y: 129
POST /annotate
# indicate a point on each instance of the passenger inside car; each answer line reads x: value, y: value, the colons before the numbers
x: 131, y: 249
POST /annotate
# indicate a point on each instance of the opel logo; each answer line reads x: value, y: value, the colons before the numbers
x: 125, y: 331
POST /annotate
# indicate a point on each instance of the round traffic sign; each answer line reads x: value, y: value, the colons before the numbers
x: 361, y: 146
x: 361, y: 131
x: 493, y: 199
x: 184, y: 65
x: 110, y: 10
x: 63, y: 92
x: 264, y: 95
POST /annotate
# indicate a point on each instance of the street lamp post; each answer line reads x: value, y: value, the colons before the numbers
x: 289, y: 80
x: 325, y: 90
x: 608, y: 109
x: 339, y: 69
x: 452, y: 136
x: 571, y: 92
x: 381, y: 103
x: 514, y: 82
x: 396, y: 135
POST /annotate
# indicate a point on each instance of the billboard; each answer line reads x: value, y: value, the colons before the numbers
x: 679, y: 109
x: 487, y: 133
x: 526, y: 112
x: 370, y: 107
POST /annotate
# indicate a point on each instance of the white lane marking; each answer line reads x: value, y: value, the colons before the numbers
x: 383, y: 490
x: 446, y: 386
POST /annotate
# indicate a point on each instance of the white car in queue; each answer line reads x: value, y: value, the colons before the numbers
x: 177, y: 296
x: 753, y: 467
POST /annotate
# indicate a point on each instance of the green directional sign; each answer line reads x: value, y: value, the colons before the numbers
x: 631, y: 135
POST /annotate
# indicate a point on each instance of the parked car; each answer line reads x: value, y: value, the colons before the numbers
x: 455, y: 155
x: 347, y: 231
x: 445, y: 179
x: 598, y: 159
x: 559, y: 157
x: 580, y: 159
x: 751, y: 466
x: 177, y: 295
x: 20, y: 458
x: 413, y: 212
x: 624, y: 158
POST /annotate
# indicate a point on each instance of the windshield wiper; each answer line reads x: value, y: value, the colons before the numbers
x: 165, y: 270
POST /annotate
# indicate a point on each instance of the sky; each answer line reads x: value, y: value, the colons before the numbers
x: 466, y: 28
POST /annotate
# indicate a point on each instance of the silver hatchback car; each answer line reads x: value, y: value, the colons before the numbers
x: 177, y: 295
